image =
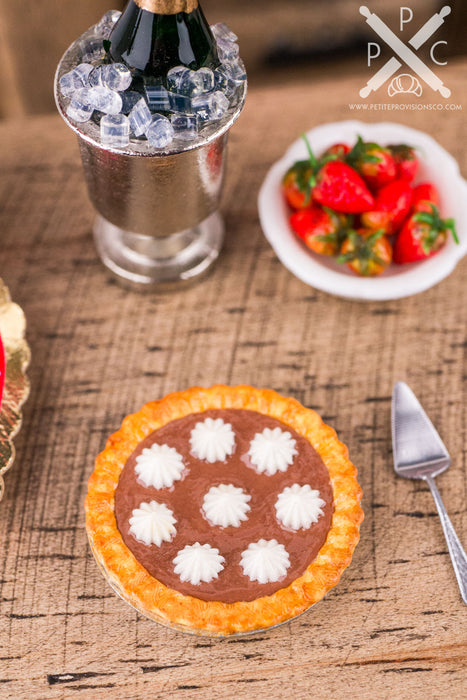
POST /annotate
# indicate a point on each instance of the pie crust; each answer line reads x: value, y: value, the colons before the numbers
x: 185, y: 612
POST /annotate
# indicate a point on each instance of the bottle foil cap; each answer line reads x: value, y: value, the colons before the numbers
x: 167, y: 7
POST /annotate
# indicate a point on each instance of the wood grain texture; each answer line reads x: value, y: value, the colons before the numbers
x: 395, y: 626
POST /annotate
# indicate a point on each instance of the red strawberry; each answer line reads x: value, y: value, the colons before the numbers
x: 368, y: 253
x: 296, y: 184
x: 422, y: 236
x: 425, y: 192
x: 318, y: 228
x: 392, y: 206
x: 377, y: 220
x: 406, y: 161
x: 373, y: 162
x: 337, y: 186
x: 342, y: 189
x: 340, y: 150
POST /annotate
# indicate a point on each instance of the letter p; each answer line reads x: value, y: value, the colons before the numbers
x: 372, y: 55
x: 409, y: 12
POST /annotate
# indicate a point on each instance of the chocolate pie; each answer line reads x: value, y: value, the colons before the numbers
x: 223, y: 510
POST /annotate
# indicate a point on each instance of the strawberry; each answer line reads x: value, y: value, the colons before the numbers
x: 373, y: 162
x: 340, y: 150
x: 296, y: 184
x: 340, y: 188
x: 318, y: 228
x: 406, y: 161
x: 422, y: 236
x: 425, y: 193
x: 376, y: 220
x: 392, y: 206
x: 366, y: 252
x: 335, y: 185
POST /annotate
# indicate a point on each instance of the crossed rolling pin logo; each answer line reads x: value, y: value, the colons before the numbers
x: 404, y: 52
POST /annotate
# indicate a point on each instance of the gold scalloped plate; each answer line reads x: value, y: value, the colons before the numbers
x: 16, y: 384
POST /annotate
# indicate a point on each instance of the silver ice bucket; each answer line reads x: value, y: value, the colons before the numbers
x: 158, y: 222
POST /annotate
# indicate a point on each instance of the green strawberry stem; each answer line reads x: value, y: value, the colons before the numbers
x: 362, y: 248
x: 311, y: 155
x: 436, y: 223
x: 450, y: 225
x: 316, y: 164
x: 345, y: 257
x: 327, y: 237
x: 403, y: 150
x: 360, y: 153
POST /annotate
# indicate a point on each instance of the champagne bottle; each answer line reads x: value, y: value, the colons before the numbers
x: 153, y: 36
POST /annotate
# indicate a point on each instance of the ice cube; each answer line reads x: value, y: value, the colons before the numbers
x: 95, y: 76
x: 180, y: 103
x: 80, y: 109
x: 160, y: 132
x: 227, y: 51
x: 91, y: 49
x: 106, y: 23
x: 115, y: 130
x: 224, y: 83
x: 205, y: 79
x: 129, y: 99
x: 235, y: 70
x: 190, y: 83
x: 222, y: 31
x: 70, y: 82
x: 84, y: 70
x: 174, y: 77
x: 220, y: 104
x: 211, y: 106
x: 140, y: 117
x: 116, y: 76
x: 105, y: 100
x: 157, y: 97
x: 185, y: 126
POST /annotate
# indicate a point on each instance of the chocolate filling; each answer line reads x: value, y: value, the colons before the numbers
x: 185, y: 499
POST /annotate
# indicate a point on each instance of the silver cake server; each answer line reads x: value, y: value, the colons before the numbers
x: 419, y: 453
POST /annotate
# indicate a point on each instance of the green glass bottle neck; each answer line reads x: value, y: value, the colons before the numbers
x: 153, y: 43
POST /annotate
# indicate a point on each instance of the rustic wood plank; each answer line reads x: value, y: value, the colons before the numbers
x: 395, y: 625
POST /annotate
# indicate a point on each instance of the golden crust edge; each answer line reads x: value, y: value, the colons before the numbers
x: 167, y: 606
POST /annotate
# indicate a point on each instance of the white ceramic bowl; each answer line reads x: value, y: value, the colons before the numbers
x: 322, y: 272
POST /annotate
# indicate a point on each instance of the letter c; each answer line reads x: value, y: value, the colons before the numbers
x: 432, y: 54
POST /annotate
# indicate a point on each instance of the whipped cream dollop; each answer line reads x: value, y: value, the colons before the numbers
x: 196, y: 563
x: 159, y: 466
x: 152, y: 523
x: 212, y: 440
x: 265, y: 561
x: 298, y: 507
x: 226, y: 505
x: 272, y: 450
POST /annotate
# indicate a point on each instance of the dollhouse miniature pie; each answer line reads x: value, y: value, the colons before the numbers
x: 224, y: 510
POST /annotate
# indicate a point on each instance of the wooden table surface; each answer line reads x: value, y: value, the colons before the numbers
x: 395, y: 626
